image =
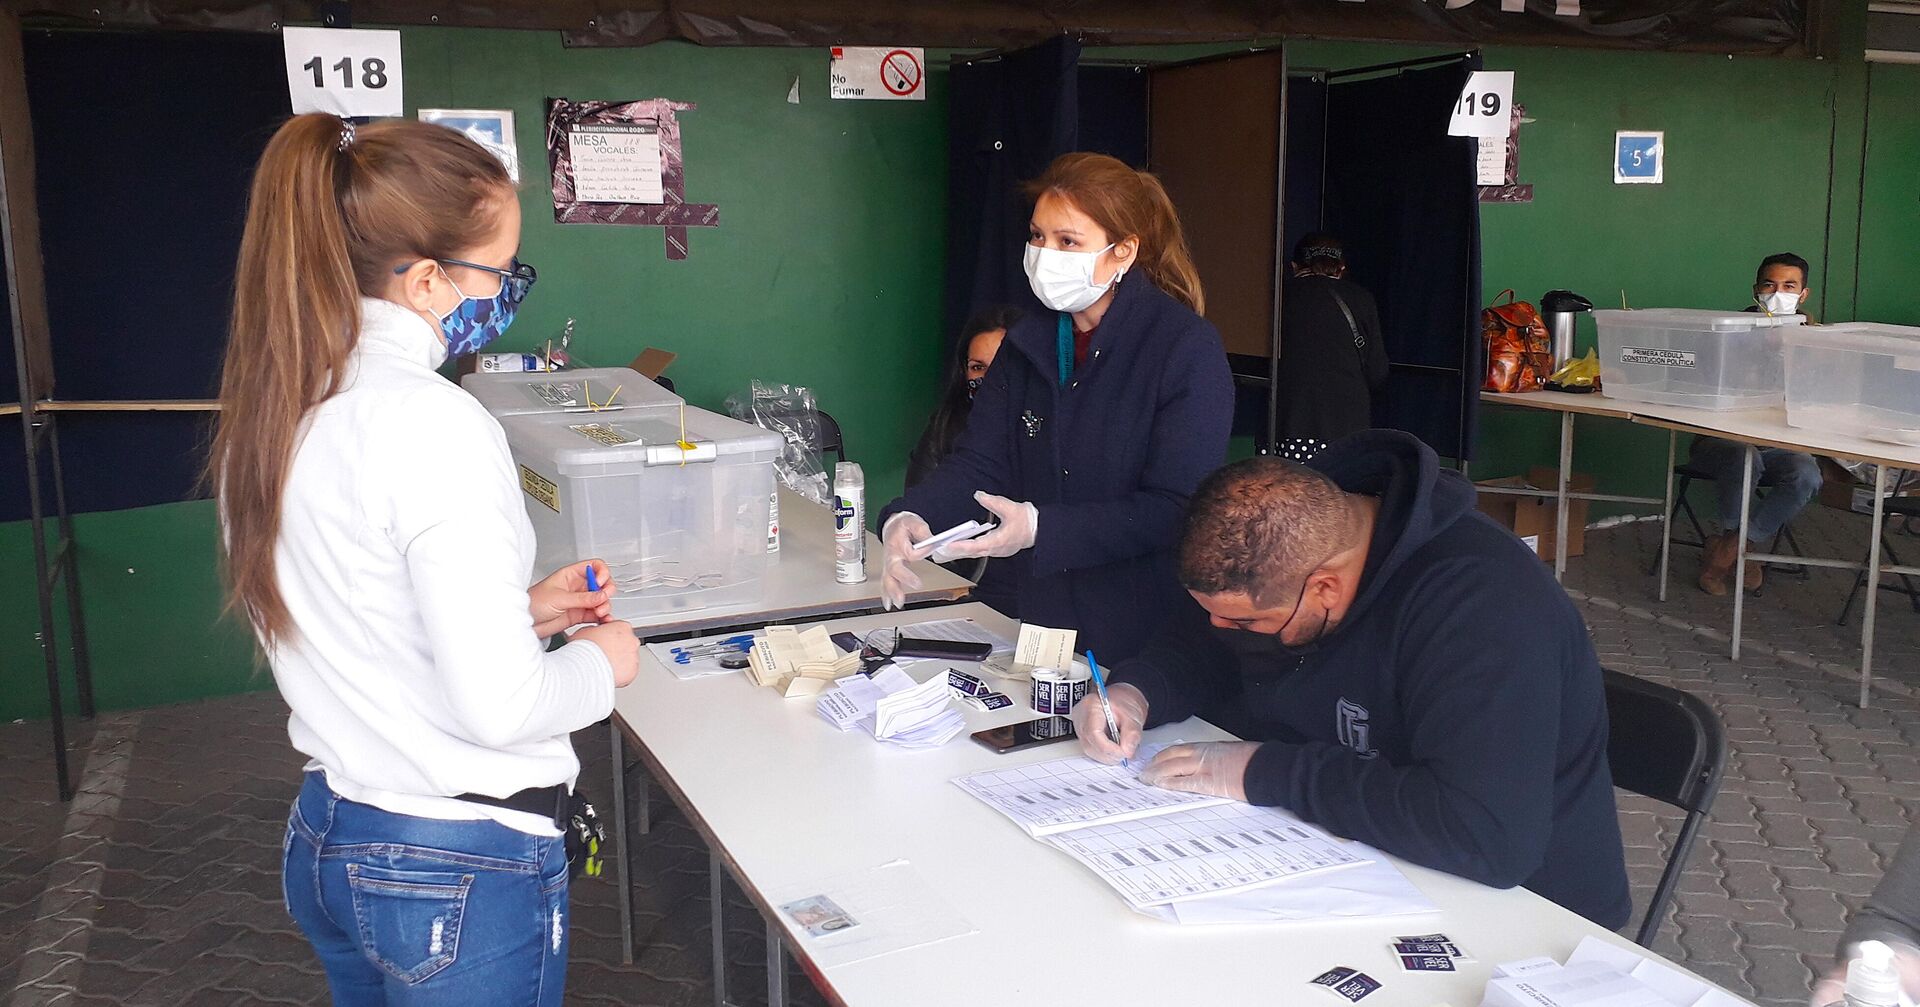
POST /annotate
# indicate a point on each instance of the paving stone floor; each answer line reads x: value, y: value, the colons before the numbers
x: 159, y: 885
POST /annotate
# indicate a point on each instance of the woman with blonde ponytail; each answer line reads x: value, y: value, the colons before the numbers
x: 375, y: 540
x: 1098, y: 419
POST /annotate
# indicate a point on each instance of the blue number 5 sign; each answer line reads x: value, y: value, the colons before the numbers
x: 1639, y: 158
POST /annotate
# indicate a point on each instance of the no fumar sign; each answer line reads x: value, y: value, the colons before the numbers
x: 880, y: 73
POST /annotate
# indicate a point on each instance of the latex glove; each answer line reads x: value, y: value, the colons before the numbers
x: 1214, y: 768
x: 1832, y: 987
x: 617, y: 640
x: 1090, y: 723
x: 897, y: 578
x: 563, y: 600
x: 1019, y: 523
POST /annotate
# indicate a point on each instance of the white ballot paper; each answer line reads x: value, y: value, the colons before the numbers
x: 853, y: 917
x: 1600, y: 973
x: 1040, y: 647
x: 895, y: 709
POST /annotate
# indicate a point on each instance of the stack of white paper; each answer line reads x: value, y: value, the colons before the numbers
x: 1600, y: 973
x: 893, y: 708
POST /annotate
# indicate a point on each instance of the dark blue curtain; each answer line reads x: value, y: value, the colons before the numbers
x: 1113, y: 112
x: 1400, y: 193
x: 1008, y: 118
x: 139, y: 238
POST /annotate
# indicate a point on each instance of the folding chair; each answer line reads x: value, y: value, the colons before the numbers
x: 1682, y: 506
x: 1668, y: 745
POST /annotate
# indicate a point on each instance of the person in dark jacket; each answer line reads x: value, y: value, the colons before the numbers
x: 1408, y: 673
x: 973, y: 355
x: 1097, y: 420
x: 1332, y: 358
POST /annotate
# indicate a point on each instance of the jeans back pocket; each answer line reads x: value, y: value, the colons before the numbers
x: 409, y: 920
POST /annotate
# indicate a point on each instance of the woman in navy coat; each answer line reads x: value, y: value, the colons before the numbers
x: 1097, y: 421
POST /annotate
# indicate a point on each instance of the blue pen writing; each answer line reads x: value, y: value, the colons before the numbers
x: 1100, y: 683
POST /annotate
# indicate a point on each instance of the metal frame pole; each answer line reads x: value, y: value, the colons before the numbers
x: 1666, y: 515
x: 1873, y: 584
x: 1740, y: 545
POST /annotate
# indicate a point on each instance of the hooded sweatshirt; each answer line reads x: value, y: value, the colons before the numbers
x: 1454, y: 717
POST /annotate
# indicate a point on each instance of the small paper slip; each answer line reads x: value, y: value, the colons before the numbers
x: 1049, y: 797
x: 1040, y: 647
x: 894, y: 708
x: 853, y: 917
x: 799, y: 664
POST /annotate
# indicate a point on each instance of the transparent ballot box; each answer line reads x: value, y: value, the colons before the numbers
x: 682, y: 525
x: 581, y: 391
x: 1859, y: 378
x: 1689, y: 357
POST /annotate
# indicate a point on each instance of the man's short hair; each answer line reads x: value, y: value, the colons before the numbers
x: 1319, y: 247
x: 1785, y: 259
x: 1258, y: 527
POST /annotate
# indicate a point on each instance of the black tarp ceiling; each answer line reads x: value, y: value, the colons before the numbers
x: 1786, y: 27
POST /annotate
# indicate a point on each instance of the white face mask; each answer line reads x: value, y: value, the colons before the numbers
x: 1781, y: 302
x: 1064, y: 280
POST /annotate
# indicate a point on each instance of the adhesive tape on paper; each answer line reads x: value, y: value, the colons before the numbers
x: 1055, y: 691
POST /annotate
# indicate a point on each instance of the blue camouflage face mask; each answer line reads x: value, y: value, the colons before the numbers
x: 477, y: 321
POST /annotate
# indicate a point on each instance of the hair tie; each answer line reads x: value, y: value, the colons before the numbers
x: 346, y: 135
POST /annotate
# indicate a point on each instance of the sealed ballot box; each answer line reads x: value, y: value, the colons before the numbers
x: 678, y: 508
x: 1858, y: 378
x: 1687, y: 357
x: 593, y: 389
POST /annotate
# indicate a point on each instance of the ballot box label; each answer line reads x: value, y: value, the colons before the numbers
x: 1657, y: 357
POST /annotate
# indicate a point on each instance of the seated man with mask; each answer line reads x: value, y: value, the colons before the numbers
x: 1408, y: 673
x: 1780, y: 287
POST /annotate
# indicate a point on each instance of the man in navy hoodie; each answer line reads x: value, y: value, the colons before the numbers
x: 1409, y: 672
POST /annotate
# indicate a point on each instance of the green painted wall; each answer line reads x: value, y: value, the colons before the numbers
x: 828, y: 266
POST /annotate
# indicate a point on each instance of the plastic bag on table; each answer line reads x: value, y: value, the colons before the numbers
x: 788, y: 410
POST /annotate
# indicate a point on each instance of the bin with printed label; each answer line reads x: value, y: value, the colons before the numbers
x: 1690, y: 357
x: 677, y: 508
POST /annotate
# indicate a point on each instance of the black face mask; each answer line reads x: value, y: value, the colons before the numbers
x: 1249, y: 644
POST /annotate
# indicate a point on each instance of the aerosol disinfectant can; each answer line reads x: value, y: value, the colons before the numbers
x: 849, y: 523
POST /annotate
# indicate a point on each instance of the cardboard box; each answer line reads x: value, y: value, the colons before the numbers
x: 1531, y: 518
x: 1841, y: 490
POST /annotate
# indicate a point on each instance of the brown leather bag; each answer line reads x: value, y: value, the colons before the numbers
x: 1519, y: 351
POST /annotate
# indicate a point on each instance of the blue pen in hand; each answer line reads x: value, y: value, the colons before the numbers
x: 593, y: 582
x: 1100, y: 683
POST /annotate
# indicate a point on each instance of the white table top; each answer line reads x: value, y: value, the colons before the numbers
x: 800, y: 580
x: 1587, y: 403
x: 785, y: 799
x: 1769, y: 427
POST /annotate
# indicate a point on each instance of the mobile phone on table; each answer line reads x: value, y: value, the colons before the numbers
x: 941, y: 650
x: 1033, y: 733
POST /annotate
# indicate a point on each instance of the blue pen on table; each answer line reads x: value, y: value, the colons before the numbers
x: 687, y: 655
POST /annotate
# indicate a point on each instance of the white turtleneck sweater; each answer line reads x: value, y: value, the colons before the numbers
x: 404, y: 557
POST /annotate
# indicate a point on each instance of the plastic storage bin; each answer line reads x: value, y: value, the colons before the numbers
x: 524, y: 393
x: 680, y: 529
x: 1689, y: 357
x: 1859, y: 378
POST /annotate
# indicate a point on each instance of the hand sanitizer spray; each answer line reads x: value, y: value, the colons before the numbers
x: 1872, y: 979
x: 849, y: 523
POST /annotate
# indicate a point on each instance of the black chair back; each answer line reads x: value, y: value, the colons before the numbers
x: 831, y: 441
x: 1665, y: 744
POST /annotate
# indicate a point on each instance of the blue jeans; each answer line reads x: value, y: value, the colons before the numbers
x: 418, y: 911
x: 1793, y: 480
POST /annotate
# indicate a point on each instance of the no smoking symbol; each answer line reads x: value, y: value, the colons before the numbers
x: 899, y: 72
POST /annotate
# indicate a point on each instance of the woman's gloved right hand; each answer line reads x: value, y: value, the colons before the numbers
x: 1090, y: 723
x: 899, y: 534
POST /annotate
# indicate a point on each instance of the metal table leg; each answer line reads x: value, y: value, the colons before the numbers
x: 1666, y: 516
x: 1873, y: 583
x: 643, y: 791
x: 776, y: 967
x: 624, y: 875
x: 716, y: 871
x: 1560, y: 497
x: 1740, y: 546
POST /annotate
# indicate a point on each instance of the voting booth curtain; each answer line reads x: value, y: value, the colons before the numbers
x: 139, y: 264
x: 1401, y: 194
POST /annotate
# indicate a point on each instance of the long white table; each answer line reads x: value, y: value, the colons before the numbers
x: 800, y: 584
x: 1762, y: 427
x: 783, y: 799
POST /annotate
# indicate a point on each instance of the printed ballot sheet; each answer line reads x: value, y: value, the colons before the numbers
x: 1200, y: 852
x: 1049, y: 797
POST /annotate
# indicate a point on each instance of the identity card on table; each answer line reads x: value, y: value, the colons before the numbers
x: 866, y: 914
